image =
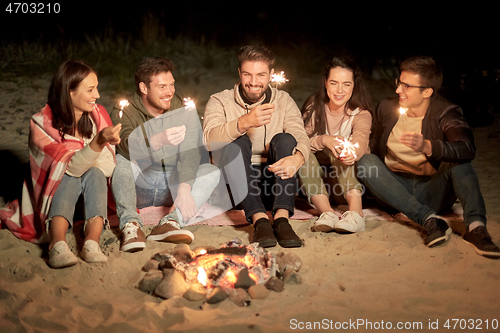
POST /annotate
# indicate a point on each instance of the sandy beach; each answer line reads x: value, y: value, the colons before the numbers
x: 381, y: 279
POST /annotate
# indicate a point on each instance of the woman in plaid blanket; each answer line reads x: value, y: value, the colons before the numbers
x: 72, y: 153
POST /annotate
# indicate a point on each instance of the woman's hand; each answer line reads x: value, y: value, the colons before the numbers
x: 332, y: 142
x: 109, y: 135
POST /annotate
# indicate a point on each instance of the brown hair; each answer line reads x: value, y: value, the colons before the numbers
x: 315, y: 104
x: 66, y: 79
x: 150, y: 67
x: 256, y: 53
x: 430, y: 74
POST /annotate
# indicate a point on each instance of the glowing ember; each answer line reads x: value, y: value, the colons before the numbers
x: 189, y: 104
x: 403, y: 110
x: 347, y: 148
x: 213, y: 269
x: 279, y: 78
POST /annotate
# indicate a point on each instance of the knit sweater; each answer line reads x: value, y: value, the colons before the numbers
x: 220, y: 125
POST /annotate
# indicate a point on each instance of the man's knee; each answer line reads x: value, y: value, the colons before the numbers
x: 283, y: 140
x: 368, y: 166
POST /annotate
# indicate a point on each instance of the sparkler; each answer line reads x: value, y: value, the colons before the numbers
x: 348, y: 148
x: 189, y: 104
x: 123, y: 103
x: 279, y: 78
x: 403, y: 110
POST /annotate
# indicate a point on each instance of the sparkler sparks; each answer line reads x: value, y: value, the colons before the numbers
x: 279, y: 78
x: 189, y: 104
x: 402, y: 110
x: 348, y: 148
x: 123, y: 103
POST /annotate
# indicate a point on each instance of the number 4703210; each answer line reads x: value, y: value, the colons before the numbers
x: 33, y: 8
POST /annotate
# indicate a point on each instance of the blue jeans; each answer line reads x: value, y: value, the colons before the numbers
x: 133, y: 188
x: 92, y: 184
x: 418, y: 197
x: 265, y: 191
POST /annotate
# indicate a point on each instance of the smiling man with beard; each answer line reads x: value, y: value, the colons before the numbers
x: 264, y: 125
x: 158, y: 159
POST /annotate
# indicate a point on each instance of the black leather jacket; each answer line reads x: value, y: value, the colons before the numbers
x: 444, y: 125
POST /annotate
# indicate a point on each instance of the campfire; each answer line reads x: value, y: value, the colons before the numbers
x: 235, y: 271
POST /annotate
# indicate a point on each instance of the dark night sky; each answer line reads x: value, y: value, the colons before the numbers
x: 463, y: 38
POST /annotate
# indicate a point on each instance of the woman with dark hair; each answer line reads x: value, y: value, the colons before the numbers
x: 71, y: 154
x: 339, y: 112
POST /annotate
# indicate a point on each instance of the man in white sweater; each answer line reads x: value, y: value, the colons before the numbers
x: 264, y: 125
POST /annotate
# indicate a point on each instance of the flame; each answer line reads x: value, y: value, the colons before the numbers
x: 205, y: 262
x: 202, y: 276
x: 348, y: 148
x: 402, y: 110
x: 120, y: 114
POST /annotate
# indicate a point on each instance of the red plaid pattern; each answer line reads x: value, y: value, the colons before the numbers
x: 49, y: 158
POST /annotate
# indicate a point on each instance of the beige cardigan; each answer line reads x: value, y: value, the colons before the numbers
x: 221, y: 119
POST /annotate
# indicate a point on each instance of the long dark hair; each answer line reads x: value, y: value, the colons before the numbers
x: 315, y: 104
x: 66, y: 79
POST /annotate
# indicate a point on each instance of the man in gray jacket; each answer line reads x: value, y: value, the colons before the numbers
x: 264, y: 125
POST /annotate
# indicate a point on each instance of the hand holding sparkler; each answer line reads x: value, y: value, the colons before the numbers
x: 259, y: 116
x: 348, y: 153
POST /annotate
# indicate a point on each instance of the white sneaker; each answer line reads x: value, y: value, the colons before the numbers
x: 61, y: 256
x: 91, y: 252
x: 326, y: 222
x: 350, y: 221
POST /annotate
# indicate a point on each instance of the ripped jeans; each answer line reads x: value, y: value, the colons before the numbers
x: 93, y: 185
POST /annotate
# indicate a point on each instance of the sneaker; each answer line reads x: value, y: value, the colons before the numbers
x: 263, y: 233
x: 61, y: 256
x: 133, y: 237
x: 350, y: 222
x: 437, y: 230
x: 285, y: 235
x: 481, y: 240
x: 91, y: 252
x: 325, y: 223
x: 170, y: 231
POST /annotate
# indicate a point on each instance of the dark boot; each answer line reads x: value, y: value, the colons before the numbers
x: 284, y: 233
x: 263, y: 233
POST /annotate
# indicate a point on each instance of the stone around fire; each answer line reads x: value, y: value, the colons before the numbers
x: 173, y: 284
x: 275, y: 284
x: 150, y: 281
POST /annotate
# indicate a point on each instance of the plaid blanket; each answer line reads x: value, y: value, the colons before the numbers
x: 49, y: 158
